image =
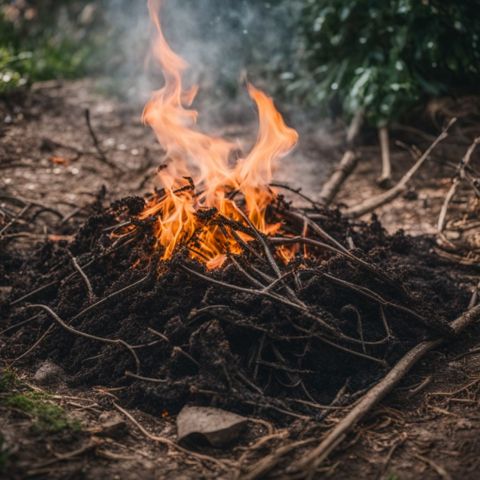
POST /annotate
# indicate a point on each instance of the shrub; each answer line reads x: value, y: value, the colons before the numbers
x: 385, y: 57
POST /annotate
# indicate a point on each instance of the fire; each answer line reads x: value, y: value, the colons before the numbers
x: 199, y: 181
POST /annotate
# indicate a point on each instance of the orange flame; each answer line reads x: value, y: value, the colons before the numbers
x: 195, y: 158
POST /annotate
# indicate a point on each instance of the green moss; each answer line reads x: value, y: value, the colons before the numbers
x: 46, y: 415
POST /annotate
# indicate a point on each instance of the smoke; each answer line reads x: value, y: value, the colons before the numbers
x: 222, y: 40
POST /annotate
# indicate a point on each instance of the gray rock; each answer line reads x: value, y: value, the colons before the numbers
x: 49, y: 374
x: 213, y: 425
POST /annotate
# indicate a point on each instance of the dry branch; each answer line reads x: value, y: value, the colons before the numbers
x: 313, y: 459
x: 101, y: 154
x: 372, y: 203
x: 347, y: 164
x: 456, y: 181
x: 386, y: 177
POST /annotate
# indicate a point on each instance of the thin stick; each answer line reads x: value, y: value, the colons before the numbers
x: 145, y: 379
x: 347, y: 164
x: 313, y: 459
x: 78, y: 268
x: 15, y: 219
x: 456, y: 181
x: 34, y: 346
x: 109, y: 297
x: 70, y: 329
x: 372, y: 203
x: 386, y: 178
x: 101, y: 154
x: 271, y: 260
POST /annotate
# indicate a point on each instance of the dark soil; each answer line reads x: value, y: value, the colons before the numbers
x: 222, y: 346
x: 427, y: 427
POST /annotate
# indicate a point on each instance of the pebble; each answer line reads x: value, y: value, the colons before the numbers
x: 49, y: 374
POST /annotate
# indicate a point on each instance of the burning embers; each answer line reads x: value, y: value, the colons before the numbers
x: 200, y: 186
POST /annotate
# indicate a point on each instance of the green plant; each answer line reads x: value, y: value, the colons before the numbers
x: 33, y: 48
x: 385, y: 57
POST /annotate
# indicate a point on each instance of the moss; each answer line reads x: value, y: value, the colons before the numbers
x: 47, y: 416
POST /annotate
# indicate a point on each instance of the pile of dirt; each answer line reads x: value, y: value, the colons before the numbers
x: 335, y: 320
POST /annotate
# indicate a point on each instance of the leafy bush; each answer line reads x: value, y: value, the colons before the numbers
x: 33, y: 47
x: 385, y: 57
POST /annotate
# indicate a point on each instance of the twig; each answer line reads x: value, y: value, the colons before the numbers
x: 271, y: 260
x: 313, y: 459
x: 456, y: 181
x: 372, y: 203
x: 15, y: 219
x: 266, y: 464
x: 145, y: 379
x: 297, y: 191
x: 109, y: 297
x: 78, y: 268
x: 101, y: 154
x: 347, y: 164
x: 438, y: 468
x: 386, y: 178
x: 70, y: 329
x: 34, y: 346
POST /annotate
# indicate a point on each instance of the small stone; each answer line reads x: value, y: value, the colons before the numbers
x: 213, y: 425
x: 49, y: 374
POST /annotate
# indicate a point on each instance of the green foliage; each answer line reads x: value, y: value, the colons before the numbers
x: 33, y: 48
x: 385, y: 57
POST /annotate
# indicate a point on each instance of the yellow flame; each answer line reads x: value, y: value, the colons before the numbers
x: 195, y: 155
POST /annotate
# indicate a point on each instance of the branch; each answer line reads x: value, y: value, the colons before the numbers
x: 313, y: 459
x: 372, y: 203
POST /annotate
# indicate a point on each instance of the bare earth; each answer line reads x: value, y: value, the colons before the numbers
x: 428, y: 428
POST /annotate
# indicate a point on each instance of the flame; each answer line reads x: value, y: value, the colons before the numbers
x: 198, y: 179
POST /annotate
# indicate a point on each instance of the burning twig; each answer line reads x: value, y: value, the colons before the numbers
x: 372, y: 203
x: 298, y: 191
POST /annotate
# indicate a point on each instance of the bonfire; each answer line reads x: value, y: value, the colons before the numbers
x: 216, y: 288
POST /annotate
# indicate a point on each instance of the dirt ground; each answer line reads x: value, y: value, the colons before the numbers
x: 428, y: 428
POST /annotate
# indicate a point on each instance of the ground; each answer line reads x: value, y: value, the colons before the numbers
x: 427, y: 428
